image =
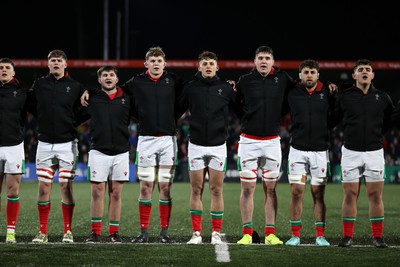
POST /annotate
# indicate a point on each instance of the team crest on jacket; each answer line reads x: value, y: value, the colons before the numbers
x: 276, y: 79
x: 68, y: 89
x: 167, y: 80
x: 377, y: 97
x: 15, y: 93
x: 321, y: 96
x: 220, y: 91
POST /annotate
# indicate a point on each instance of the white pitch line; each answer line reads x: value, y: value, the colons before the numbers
x: 222, y: 251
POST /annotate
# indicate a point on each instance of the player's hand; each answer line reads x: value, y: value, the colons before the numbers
x: 333, y: 88
x: 85, y: 98
x: 232, y: 83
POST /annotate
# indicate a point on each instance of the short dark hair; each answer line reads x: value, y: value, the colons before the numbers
x: 208, y: 55
x: 7, y: 60
x: 310, y: 63
x: 363, y: 61
x: 106, y: 68
x: 57, y: 53
x: 264, y: 49
x: 155, y: 51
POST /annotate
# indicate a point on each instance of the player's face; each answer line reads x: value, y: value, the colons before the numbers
x: 6, y: 72
x: 363, y: 74
x: 264, y: 63
x: 57, y: 66
x: 155, y: 66
x: 309, y: 77
x: 208, y: 68
x: 108, y: 80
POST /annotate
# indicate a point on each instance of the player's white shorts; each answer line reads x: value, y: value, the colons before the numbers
x: 264, y: 154
x: 103, y: 168
x: 156, y: 150
x: 355, y: 164
x: 62, y: 156
x: 200, y: 157
x: 12, y: 159
x: 303, y: 163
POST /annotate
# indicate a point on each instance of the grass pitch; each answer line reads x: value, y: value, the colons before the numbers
x: 25, y: 253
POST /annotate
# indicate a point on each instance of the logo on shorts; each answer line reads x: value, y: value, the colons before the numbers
x: 18, y: 166
x: 192, y: 163
x: 292, y: 166
x: 125, y: 173
x: 322, y: 170
x: 244, y: 163
x: 94, y: 174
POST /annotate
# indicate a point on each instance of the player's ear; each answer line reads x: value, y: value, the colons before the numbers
x: 300, y: 76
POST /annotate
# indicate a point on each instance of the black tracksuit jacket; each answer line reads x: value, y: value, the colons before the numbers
x: 264, y: 101
x: 12, y: 113
x: 109, y: 122
x: 208, y: 101
x: 155, y: 102
x: 311, y: 116
x: 57, y: 105
x: 364, y: 117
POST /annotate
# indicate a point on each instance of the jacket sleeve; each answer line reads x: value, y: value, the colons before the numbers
x: 337, y: 114
x: 180, y: 108
x: 80, y: 112
x: 291, y: 84
x: 388, y: 121
x: 237, y: 106
x: 332, y: 97
x: 183, y: 101
x: 31, y: 101
x: 396, y: 115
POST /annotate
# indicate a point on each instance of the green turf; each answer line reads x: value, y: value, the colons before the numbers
x: 154, y: 254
